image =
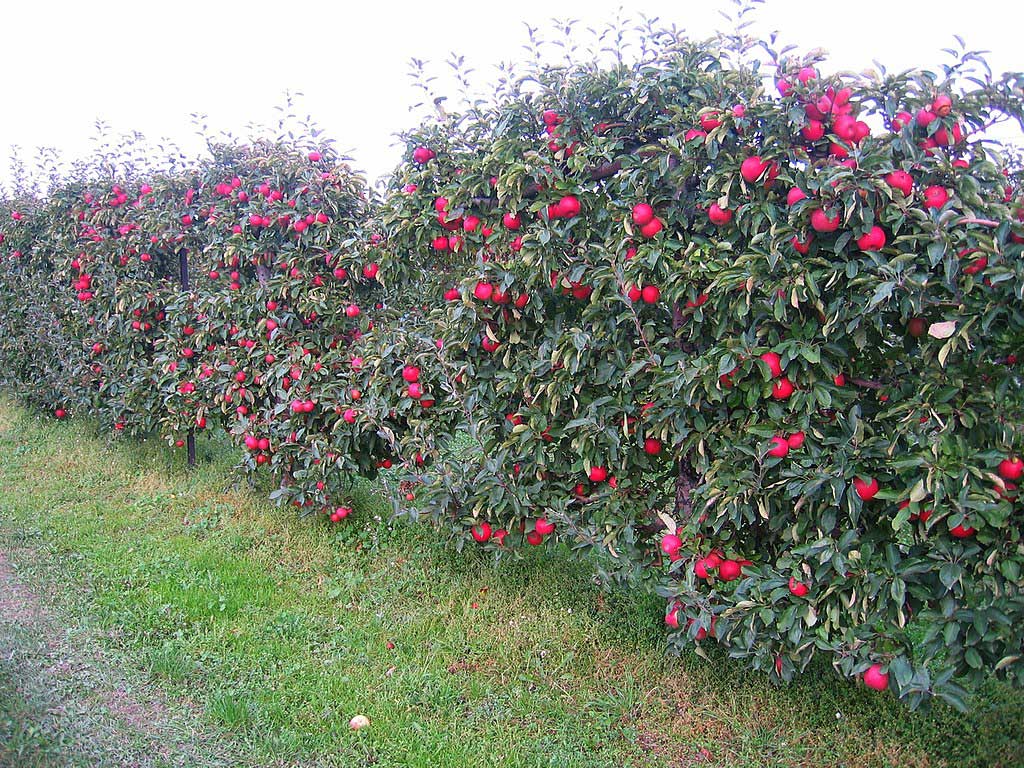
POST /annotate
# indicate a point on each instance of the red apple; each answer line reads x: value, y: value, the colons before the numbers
x: 651, y: 294
x: 961, y: 531
x: 902, y: 181
x: 872, y: 240
x: 671, y: 544
x: 821, y: 222
x: 422, y: 155
x: 719, y: 216
x: 935, y: 197
x: 543, y: 526
x: 917, y: 327
x: 483, y: 291
x: 942, y: 105
x: 568, y: 207
x: 1011, y: 468
x: 651, y: 228
x: 752, y: 168
x: 481, y: 532
x: 774, y: 363
x: 780, y: 447
x: 875, y: 678
x: 795, y: 195
x: 797, y: 588
x: 782, y: 389
x: 813, y: 131
x: 642, y: 214
x: 866, y: 489
x: 729, y: 570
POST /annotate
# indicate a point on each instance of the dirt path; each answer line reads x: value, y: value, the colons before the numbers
x: 64, y: 702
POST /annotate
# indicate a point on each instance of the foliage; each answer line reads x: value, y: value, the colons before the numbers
x: 747, y: 331
x: 698, y: 300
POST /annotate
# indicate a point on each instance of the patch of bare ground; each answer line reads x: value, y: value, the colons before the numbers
x: 65, y: 702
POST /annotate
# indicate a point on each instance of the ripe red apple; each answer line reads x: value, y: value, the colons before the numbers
x: 752, y: 168
x: 60, y: 413
x: 821, y: 222
x: 729, y: 570
x: 411, y: 373
x: 651, y: 228
x: 795, y: 195
x: 672, y: 617
x: 902, y: 181
x: 512, y: 221
x: 780, y: 447
x: 483, y: 291
x: 651, y: 294
x: 1011, y: 468
x: 568, y: 207
x: 935, y: 197
x: 710, y: 120
x: 917, y: 327
x: 782, y: 389
x: 774, y: 363
x: 796, y: 440
x: 872, y: 240
x: 901, y: 120
x: 352, y: 310
x: 813, y: 131
x: 415, y: 390
x: 482, y: 532
x: 671, y: 544
x: 942, y: 105
x: 802, y: 247
x: 866, y: 489
x: 962, y: 531
x: 598, y: 474
x: 806, y: 74
x: 422, y: 155
x: 875, y: 678
x: 642, y: 214
x: 542, y: 526
x: 797, y: 588
x: 652, y: 446
x: 719, y: 216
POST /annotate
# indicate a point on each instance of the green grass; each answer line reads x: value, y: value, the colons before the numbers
x: 278, y: 630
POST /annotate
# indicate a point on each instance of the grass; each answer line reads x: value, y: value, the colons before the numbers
x: 271, y: 632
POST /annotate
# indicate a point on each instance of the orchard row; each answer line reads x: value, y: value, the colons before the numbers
x: 752, y: 345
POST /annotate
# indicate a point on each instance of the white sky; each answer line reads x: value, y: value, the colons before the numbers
x: 147, y: 66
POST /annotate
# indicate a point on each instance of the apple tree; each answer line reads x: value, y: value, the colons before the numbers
x: 747, y: 330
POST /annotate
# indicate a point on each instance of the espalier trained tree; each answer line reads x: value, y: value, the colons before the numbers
x: 95, y: 318
x: 751, y: 332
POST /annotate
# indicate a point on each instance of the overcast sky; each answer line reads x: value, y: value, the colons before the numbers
x: 147, y: 66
